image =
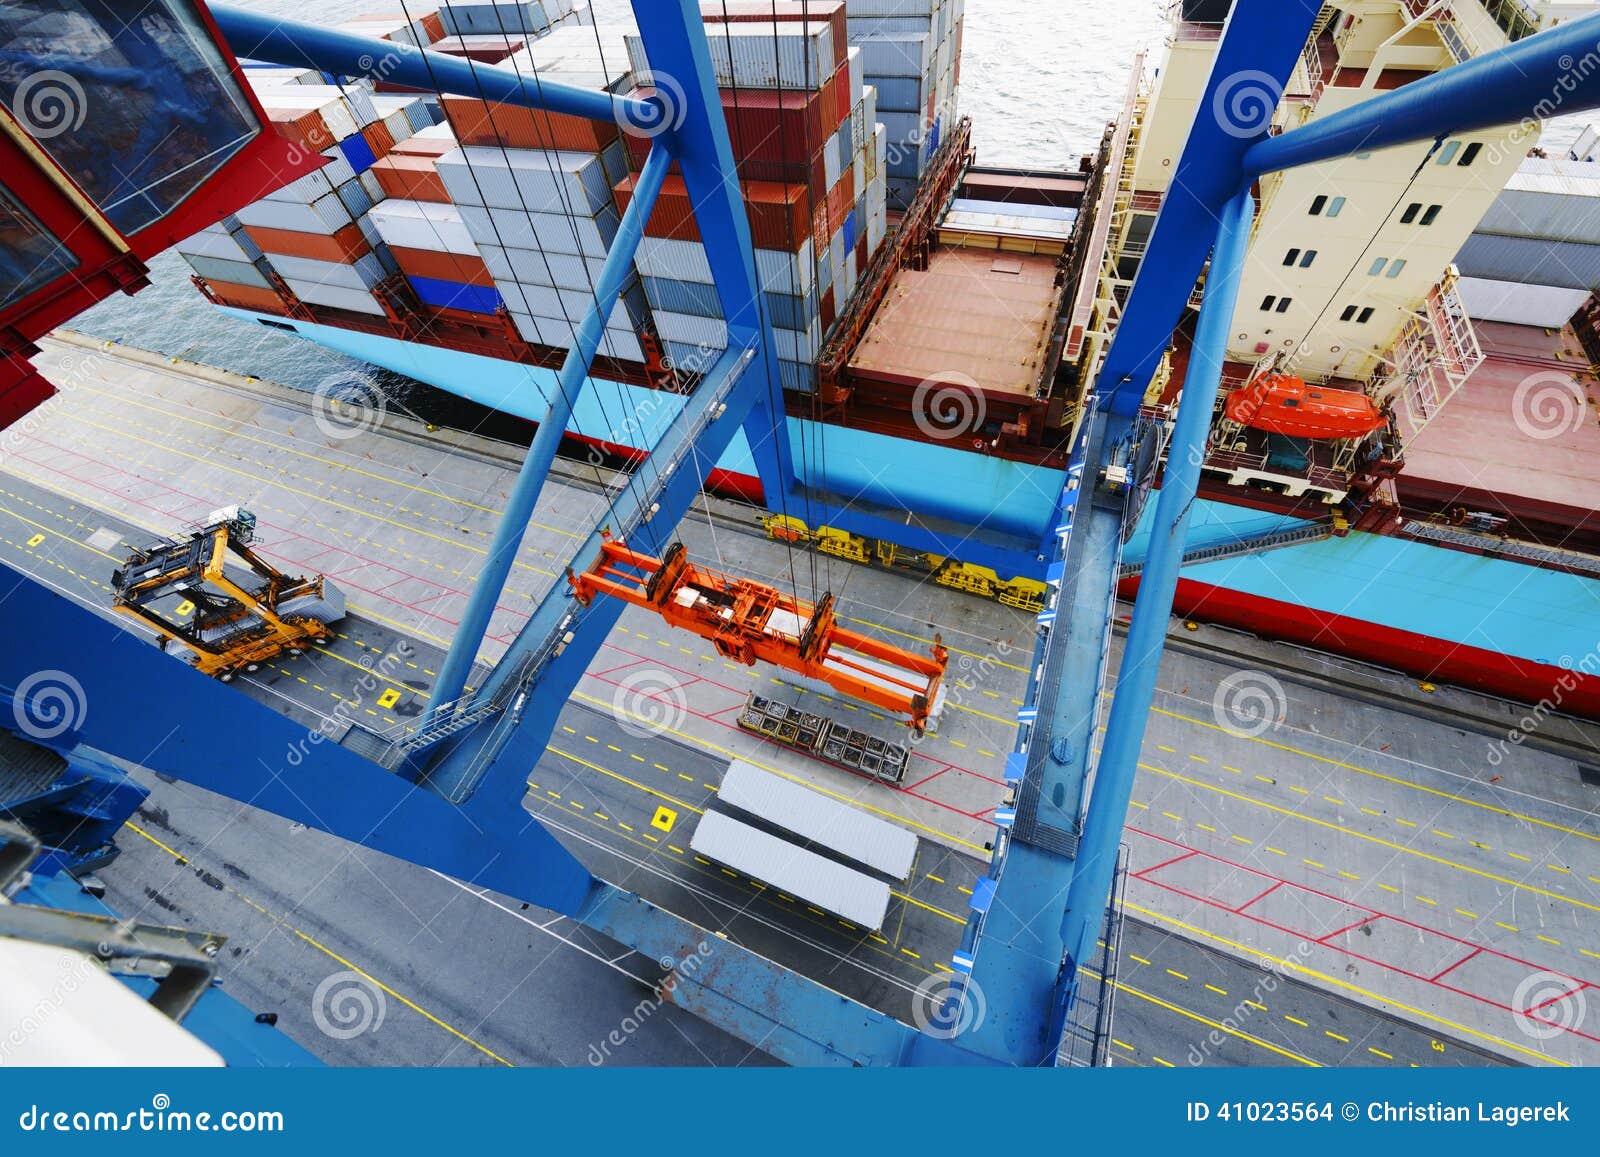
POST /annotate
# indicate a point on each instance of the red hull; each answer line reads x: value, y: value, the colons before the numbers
x: 1426, y: 657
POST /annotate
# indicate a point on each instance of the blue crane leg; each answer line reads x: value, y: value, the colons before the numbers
x: 542, y: 453
x: 1554, y: 73
x: 260, y: 36
x: 1147, y: 634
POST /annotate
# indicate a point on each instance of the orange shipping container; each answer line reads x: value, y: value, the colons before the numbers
x: 343, y: 247
x: 777, y: 213
x: 434, y: 23
x: 410, y: 177
x: 456, y: 267
x: 378, y: 137
x: 482, y: 122
x: 423, y: 147
x: 303, y: 127
x: 246, y: 296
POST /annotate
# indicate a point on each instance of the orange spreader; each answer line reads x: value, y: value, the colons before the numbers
x: 1281, y: 404
x: 749, y: 622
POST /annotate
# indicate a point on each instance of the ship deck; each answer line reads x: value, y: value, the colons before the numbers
x: 1344, y: 859
x: 1519, y: 440
x: 975, y: 314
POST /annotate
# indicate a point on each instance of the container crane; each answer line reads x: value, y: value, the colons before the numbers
x: 749, y: 622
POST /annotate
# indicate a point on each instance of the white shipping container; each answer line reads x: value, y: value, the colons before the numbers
x: 1517, y: 304
x: 895, y: 55
x: 533, y: 267
x: 422, y: 225
x: 536, y: 180
x: 858, y: 171
x: 335, y: 296
x: 364, y: 273
x: 227, y: 269
x: 923, y: 9
x: 778, y: 271
x: 691, y: 329
x: 325, y: 216
x: 763, y: 54
x: 858, y: 72
x: 614, y: 343
x: 552, y: 232
x: 306, y: 189
x: 215, y: 241
x: 794, y: 346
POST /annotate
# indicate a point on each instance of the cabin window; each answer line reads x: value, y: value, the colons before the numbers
x: 1324, y: 206
x: 1283, y: 304
x: 1306, y: 260
x: 1411, y: 212
x: 1431, y: 215
x: 1318, y: 203
x: 1335, y: 206
x: 1376, y: 267
x: 1291, y: 257
x: 1268, y: 301
x: 1470, y: 154
x: 1349, y: 312
x: 1395, y: 266
x: 1448, y: 153
x: 1291, y: 403
x: 1364, y: 316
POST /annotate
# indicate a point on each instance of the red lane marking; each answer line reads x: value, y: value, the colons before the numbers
x: 1365, y: 920
x: 1163, y: 864
x: 1440, y: 974
x: 1262, y: 896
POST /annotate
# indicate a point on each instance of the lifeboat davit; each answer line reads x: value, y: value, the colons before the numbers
x: 1282, y: 404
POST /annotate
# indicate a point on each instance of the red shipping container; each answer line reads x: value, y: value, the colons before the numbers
x: 828, y: 313
x: 837, y: 104
x: 777, y: 212
x: 483, y: 49
x: 841, y: 199
x: 304, y: 127
x: 433, y: 23
x: 342, y: 247
x: 423, y: 147
x: 831, y: 12
x: 862, y: 256
x: 455, y: 267
x: 481, y: 122
x: 413, y: 178
x: 378, y: 137
x: 246, y: 296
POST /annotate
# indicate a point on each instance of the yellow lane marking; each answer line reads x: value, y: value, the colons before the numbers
x: 1287, y: 964
x: 332, y: 955
x: 1296, y: 1020
x: 1179, y: 975
x: 1341, y: 1039
x: 1393, y: 779
x: 1390, y: 844
x: 1209, y: 1023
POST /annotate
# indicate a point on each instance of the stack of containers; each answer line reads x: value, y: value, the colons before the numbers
x: 911, y: 50
x: 315, y: 233
x: 798, y: 116
x: 533, y: 191
x: 232, y: 266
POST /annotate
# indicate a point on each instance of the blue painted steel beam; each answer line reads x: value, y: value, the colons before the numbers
x: 260, y: 36
x: 1534, y: 78
x: 130, y: 700
x: 1147, y: 633
x: 513, y: 524
x: 1260, y: 45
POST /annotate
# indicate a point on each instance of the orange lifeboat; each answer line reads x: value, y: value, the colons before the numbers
x: 1282, y: 404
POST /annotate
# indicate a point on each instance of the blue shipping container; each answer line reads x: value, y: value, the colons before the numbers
x: 454, y: 295
x: 850, y: 230
x: 357, y: 152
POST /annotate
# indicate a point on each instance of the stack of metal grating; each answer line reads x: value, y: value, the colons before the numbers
x: 911, y: 52
x: 803, y: 126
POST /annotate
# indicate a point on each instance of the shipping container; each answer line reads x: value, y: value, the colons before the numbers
x: 542, y: 267
x: 777, y: 212
x: 1517, y: 304
x: 223, y: 269
x: 818, y: 819
x: 1530, y: 261
x: 763, y: 54
x: 362, y: 273
x: 435, y: 265
x: 324, y: 215
x: 344, y: 244
x: 454, y: 295
x: 335, y: 296
x: 832, y: 12
x: 423, y: 225
x: 217, y: 241
x: 480, y: 122
x: 845, y: 892
x: 537, y: 181
x: 507, y: 17
x: 885, y: 56
x: 412, y: 178
x: 1557, y: 200
x: 552, y: 232
x: 246, y: 296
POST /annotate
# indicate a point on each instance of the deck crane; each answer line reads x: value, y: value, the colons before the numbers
x: 749, y: 621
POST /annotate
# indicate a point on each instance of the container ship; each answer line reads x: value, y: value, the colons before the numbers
x: 940, y: 324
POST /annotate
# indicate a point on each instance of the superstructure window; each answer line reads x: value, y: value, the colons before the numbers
x: 1268, y: 302
x: 1431, y: 215
x: 1307, y: 258
x: 1470, y: 154
x: 1448, y: 153
x: 1291, y: 257
x: 1364, y: 316
x: 1395, y: 266
x: 1376, y: 268
x: 1411, y: 212
x: 1428, y: 215
x: 1323, y: 205
x: 1348, y: 314
x: 1356, y: 313
x: 1283, y: 304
